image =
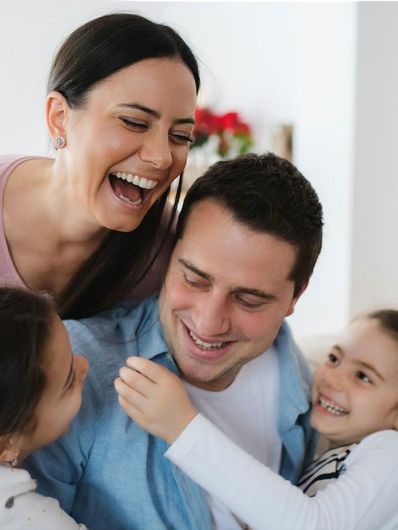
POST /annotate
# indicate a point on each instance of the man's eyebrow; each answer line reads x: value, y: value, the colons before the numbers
x: 256, y: 292
x: 242, y: 290
x: 194, y: 269
x: 156, y: 114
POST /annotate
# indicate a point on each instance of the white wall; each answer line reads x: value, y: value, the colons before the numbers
x: 282, y: 63
x: 273, y: 62
x: 29, y: 34
x: 374, y: 277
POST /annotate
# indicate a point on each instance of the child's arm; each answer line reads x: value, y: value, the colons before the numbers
x: 365, y: 495
x: 154, y: 397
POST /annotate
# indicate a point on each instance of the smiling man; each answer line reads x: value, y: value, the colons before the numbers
x: 247, y: 241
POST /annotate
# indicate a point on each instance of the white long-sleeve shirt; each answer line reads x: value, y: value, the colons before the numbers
x: 364, y: 497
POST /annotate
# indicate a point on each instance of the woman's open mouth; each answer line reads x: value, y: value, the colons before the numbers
x: 130, y: 188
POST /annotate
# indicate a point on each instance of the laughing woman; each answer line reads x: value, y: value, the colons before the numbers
x: 89, y: 226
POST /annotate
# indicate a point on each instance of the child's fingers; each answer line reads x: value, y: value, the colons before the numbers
x: 151, y: 370
x: 136, y: 380
x: 133, y: 412
x: 129, y: 394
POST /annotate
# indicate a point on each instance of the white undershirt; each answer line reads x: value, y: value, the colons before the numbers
x: 246, y: 412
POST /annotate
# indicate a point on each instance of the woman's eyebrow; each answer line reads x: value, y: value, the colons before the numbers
x: 152, y: 112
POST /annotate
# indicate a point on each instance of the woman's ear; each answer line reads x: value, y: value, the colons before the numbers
x: 56, y: 114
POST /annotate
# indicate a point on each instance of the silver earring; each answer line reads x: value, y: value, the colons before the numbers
x: 15, y: 461
x: 59, y: 142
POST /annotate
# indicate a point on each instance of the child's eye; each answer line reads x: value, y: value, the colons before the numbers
x: 332, y: 358
x: 363, y: 377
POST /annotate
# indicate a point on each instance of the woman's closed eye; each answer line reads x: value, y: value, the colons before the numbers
x: 134, y: 123
x: 181, y: 138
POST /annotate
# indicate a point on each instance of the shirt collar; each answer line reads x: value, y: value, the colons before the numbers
x: 295, y: 378
x: 143, y: 320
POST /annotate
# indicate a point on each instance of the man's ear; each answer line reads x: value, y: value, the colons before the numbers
x: 290, y: 309
x: 57, y: 109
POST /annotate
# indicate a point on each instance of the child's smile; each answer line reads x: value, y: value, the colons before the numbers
x: 355, y: 392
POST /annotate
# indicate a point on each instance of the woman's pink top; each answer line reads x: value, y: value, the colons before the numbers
x: 8, y: 273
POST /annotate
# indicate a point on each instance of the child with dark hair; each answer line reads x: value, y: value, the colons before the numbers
x: 351, y: 486
x: 41, y: 383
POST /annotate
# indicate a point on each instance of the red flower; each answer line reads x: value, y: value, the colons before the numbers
x: 209, y: 123
x: 229, y: 120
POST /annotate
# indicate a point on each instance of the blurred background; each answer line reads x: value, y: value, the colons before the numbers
x: 316, y: 82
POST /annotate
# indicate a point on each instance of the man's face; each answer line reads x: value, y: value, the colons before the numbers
x: 225, y: 295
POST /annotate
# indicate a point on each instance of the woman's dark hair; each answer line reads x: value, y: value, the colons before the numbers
x: 25, y: 327
x: 388, y: 321
x: 90, y: 54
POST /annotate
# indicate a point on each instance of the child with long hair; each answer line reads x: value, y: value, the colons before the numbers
x: 351, y: 486
x: 41, y: 384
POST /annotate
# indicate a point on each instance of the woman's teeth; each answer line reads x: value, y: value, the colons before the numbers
x: 142, y: 182
x: 332, y: 407
x: 205, y: 345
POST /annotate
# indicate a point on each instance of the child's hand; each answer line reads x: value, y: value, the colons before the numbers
x: 154, y: 397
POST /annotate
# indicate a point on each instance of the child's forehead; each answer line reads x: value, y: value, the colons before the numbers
x: 366, y: 341
x: 367, y: 329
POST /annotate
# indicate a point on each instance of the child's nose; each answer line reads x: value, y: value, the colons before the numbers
x: 335, y: 379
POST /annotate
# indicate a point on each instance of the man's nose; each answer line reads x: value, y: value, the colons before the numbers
x: 212, y: 316
x: 156, y: 149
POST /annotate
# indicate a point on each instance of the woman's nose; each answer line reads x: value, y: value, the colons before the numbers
x: 156, y: 150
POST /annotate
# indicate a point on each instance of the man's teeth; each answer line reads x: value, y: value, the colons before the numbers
x: 142, y: 182
x: 331, y: 407
x: 205, y: 345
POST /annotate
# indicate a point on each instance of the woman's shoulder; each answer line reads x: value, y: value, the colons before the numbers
x: 9, y: 162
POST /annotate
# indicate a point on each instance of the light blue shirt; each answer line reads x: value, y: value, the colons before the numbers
x: 110, y: 474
